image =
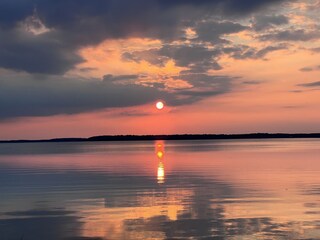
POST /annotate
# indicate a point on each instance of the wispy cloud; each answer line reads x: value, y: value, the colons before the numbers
x: 311, y: 84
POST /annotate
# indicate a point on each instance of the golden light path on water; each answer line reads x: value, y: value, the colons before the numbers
x: 160, y: 154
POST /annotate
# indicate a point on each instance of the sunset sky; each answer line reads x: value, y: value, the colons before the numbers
x: 77, y: 68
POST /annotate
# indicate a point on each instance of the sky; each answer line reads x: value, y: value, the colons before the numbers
x: 78, y: 68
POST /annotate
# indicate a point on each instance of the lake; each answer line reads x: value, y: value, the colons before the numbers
x: 213, y: 189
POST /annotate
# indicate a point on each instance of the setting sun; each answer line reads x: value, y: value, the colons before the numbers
x: 160, y: 105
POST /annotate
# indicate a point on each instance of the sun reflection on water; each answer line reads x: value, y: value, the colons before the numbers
x: 160, y: 175
x: 160, y: 154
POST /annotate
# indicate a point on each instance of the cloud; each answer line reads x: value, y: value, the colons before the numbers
x: 196, y: 57
x: 41, y: 54
x: 264, y: 51
x: 310, y: 69
x: 306, y: 69
x: 49, y: 43
x: 60, y: 14
x: 316, y: 50
x: 230, y: 7
x: 213, y: 31
x: 133, y: 113
x: 205, y: 86
x: 291, y: 35
x: 292, y: 107
x: 26, y: 96
x: 44, y: 37
x: 252, y: 82
x: 118, y: 18
x: 296, y: 91
x: 263, y: 22
x: 311, y: 84
x: 32, y: 97
x: 119, y: 78
x: 246, y: 52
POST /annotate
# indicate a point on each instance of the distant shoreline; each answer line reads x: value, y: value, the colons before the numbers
x: 108, y: 138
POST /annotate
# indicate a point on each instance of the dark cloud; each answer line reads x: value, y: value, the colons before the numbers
x: 205, y: 86
x: 73, y: 24
x: 59, y: 13
x: 31, y: 97
x: 245, y: 6
x: 203, y: 67
x: 245, y: 52
x: 25, y: 96
x: 262, y: 22
x: 231, y: 6
x: 151, y: 56
x: 214, y: 31
x: 42, y: 54
x: 311, y: 84
x: 196, y: 57
x: 43, y: 37
x: 264, y: 51
x: 12, y: 12
x: 85, y: 238
x: 118, y: 78
x: 291, y: 35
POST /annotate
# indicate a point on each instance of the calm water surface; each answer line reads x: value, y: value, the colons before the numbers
x: 260, y: 189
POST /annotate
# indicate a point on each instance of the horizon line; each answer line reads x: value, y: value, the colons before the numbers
x: 153, y: 137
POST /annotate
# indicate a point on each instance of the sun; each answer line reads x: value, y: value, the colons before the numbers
x: 160, y: 105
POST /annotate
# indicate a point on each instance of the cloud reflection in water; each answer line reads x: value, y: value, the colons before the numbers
x: 248, y: 192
